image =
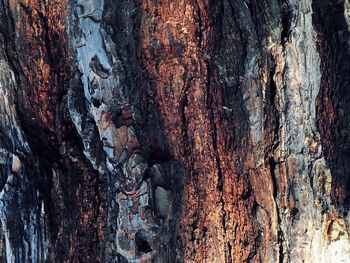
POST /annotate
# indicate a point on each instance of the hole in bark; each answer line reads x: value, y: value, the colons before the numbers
x: 157, y: 154
x: 96, y: 102
x: 98, y: 68
x: 272, y: 86
x: 286, y: 16
x: 273, y: 176
x: 294, y: 214
x: 142, y: 245
x: 121, y: 259
x: 285, y: 29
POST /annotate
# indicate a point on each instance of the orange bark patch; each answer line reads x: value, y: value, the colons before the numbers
x: 215, y: 225
x: 42, y: 46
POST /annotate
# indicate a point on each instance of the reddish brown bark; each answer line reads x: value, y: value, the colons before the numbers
x: 217, y: 202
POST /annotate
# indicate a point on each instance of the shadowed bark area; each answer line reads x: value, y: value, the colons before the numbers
x: 174, y: 131
x: 333, y: 104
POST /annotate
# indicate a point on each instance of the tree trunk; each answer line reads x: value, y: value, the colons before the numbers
x: 174, y: 131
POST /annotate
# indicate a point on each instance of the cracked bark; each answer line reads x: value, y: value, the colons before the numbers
x: 162, y: 131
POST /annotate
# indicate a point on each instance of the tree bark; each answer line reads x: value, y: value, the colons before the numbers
x: 174, y: 131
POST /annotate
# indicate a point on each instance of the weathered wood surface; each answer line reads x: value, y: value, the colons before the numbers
x: 174, y: 131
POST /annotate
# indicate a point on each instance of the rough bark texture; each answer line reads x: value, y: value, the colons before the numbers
x: 174, y: 131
